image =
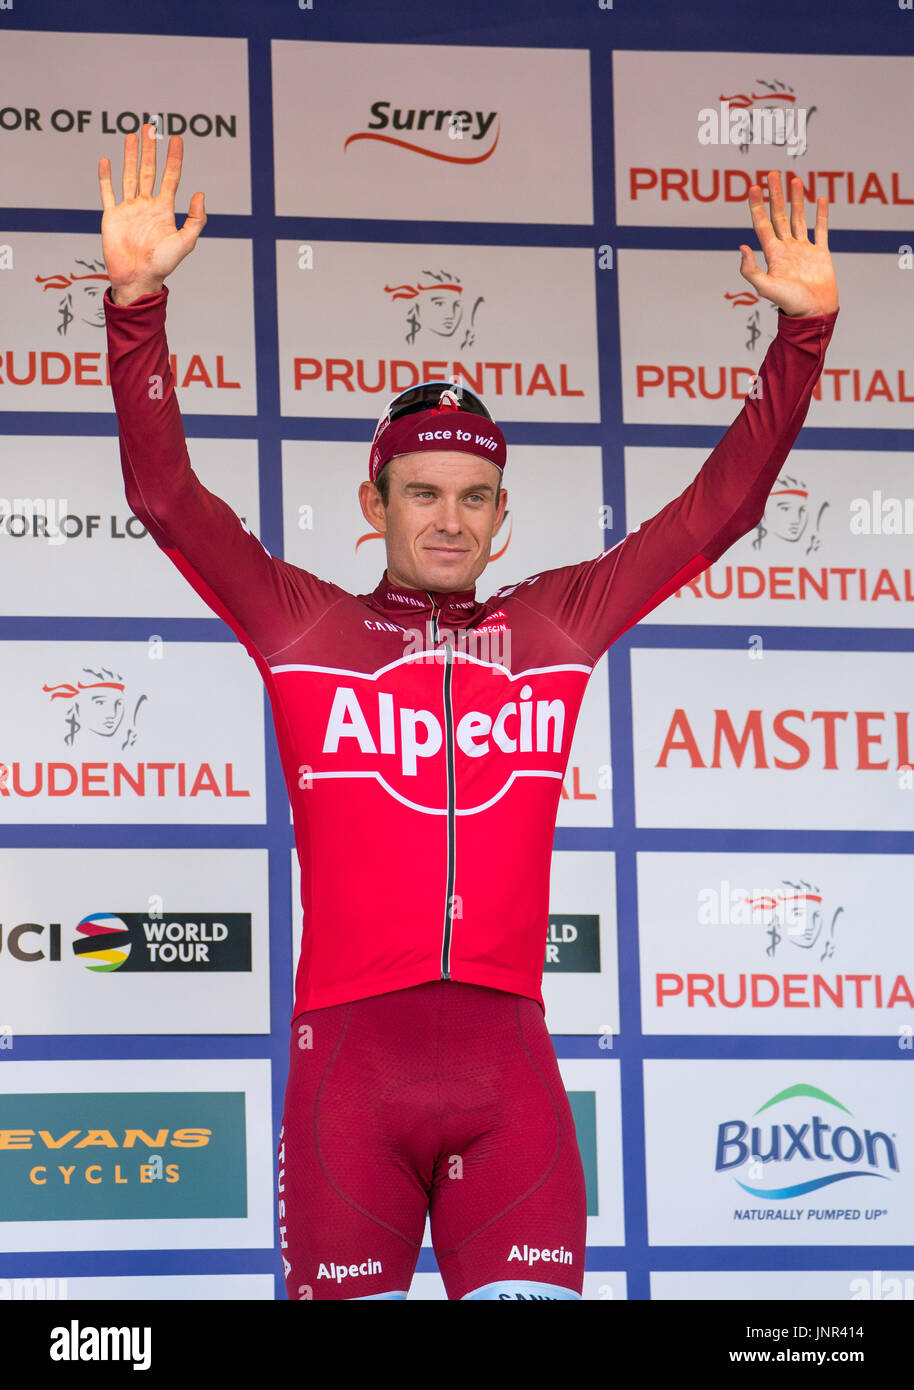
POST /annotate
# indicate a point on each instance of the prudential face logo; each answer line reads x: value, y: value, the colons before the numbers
x: 816, y: 1148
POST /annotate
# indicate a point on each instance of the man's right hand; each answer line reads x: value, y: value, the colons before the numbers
x: 140, y: 241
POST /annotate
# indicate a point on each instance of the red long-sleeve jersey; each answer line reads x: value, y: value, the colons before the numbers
x: 424, y: 736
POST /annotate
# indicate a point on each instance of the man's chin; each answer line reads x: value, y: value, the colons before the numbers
x: 446, y: 575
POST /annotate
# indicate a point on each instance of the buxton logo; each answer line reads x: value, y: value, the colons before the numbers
x: 813, y: 1141
x: 439, y: 124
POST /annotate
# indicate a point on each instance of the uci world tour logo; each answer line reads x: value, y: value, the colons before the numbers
x: 180, y: 941
x: 842, y: 1150
x: 108, y: 941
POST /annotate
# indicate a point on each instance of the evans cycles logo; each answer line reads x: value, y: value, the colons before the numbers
x: 835, y: 1152
x: 77, y: 1156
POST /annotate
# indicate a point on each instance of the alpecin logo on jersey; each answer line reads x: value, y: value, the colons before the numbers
x: 403, y: 724
x: 495, y: 622
x: 340, y: 1272
x: 532, y: 1254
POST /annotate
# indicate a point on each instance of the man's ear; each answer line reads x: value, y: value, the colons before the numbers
x: 373, y: 508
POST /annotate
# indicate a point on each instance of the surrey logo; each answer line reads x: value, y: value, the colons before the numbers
x: 445, y: 131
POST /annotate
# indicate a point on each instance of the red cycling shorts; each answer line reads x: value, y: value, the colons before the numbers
x: 444, y: 1099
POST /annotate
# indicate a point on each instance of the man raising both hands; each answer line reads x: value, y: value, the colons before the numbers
x: 422, y: 1076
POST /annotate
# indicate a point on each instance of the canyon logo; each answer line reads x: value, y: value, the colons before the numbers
x: 834, y: 1152
x: 454, y: 136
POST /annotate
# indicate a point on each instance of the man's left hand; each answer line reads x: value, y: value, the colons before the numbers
x: 800, y: 277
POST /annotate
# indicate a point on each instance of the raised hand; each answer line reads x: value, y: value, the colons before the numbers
x: 800, y: 277
x: 140, y: 240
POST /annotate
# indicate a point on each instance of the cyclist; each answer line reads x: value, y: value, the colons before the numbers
x: 424, y: 771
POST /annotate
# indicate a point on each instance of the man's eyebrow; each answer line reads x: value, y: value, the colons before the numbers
x: 434, y: 487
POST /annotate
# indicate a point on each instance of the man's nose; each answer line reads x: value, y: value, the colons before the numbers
x: 449, y: 516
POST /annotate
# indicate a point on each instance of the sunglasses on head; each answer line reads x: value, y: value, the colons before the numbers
x: 427, y: 396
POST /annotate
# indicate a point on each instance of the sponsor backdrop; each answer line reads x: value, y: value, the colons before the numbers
x: 727, y: 955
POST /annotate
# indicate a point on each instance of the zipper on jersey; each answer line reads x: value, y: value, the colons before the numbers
x: 451, y: 794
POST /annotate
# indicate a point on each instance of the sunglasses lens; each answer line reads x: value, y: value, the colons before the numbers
x: 426, y: 396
